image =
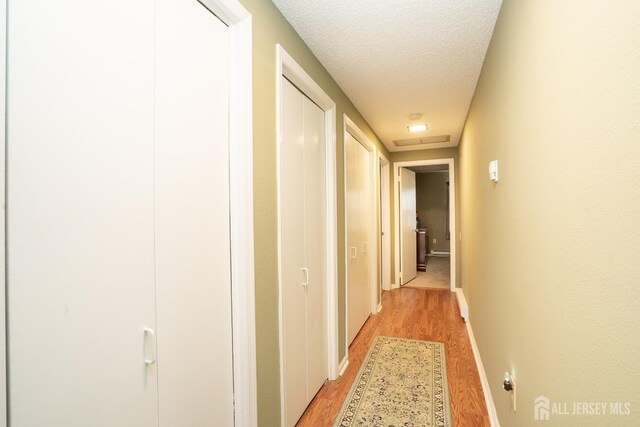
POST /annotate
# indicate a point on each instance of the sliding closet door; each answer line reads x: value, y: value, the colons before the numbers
x: 358, y: 223
x: 80, y: 213
x: 192, y: 217
x: 315, y: 218
x: 292, y: 187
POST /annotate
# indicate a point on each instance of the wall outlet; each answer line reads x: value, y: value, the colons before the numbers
x: 435, y: 241
x: 509, y: 384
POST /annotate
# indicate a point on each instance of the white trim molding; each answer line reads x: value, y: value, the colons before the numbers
x: 384, y: 223
x: 462, y: 304
x: 351, y: 128
x: 491, y: 407
x: 286, y: 66
x: 3, y: 117
x: 232, y: 13
x: 343, y: 365
x: 452, y: 213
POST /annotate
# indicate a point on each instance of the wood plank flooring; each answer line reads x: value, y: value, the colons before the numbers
x: 425, y: 314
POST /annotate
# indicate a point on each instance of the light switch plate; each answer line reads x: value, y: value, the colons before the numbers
x: 493, y: 170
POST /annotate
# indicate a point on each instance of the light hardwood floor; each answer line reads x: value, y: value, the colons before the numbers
x: 425, y: 314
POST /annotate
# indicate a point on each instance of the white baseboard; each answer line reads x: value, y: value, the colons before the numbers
x: 491, y: 407
x: 387, y: 287
x: 343, y: 365
x: 379, y: 307
x: 462, y: 303
x: 394, y: 286
x: 438, y: 253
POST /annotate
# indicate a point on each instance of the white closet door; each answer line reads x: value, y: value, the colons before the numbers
x: 358, y: 221
x: 79, y: 213
x: 292, y: 219
x: 303, y: 218
x: 315, y: 218
x: 408, y: 224
x: 192, y: 217
x: 353, y: 239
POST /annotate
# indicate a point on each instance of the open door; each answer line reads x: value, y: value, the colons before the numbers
x: 408, y: 224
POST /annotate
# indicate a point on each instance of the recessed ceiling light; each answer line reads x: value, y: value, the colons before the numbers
x: 418, y: 128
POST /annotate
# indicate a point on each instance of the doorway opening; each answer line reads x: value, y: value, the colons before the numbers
x: 425, y: 224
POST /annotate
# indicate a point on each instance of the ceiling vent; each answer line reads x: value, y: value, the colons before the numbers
x: 423, y: 140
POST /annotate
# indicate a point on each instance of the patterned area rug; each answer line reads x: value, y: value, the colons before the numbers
x: 401, y: 383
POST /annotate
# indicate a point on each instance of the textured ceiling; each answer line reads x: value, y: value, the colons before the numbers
x: 395, y: 58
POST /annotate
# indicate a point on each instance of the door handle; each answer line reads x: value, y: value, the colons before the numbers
x: 150, y: 341
x: 364, y: 249
x: 354, y: 252
x: 305, y: 271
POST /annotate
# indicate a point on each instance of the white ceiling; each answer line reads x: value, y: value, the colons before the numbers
x: 395, y: 58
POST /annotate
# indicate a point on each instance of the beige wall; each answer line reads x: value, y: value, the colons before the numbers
x: 405, y: 156
x: 550, y: 253
x: 270, y: 28
x: 431, y: 203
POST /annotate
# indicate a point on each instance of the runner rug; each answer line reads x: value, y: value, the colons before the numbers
x: 401, y: 382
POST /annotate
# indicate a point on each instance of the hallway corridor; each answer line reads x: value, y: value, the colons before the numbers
x: 424, y: 314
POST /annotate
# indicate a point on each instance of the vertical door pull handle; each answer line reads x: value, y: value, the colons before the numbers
x: 305, y: 271
x: 150, y: 343
x: 354, y: 252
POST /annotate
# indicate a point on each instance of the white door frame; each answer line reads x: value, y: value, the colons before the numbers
x: 385, y: 225
x: 3, y: 164
x: 287, y: 67
x: 351, y: 128
x: 238, y: 19
x: 452, y: 213
x: 232, y: 13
